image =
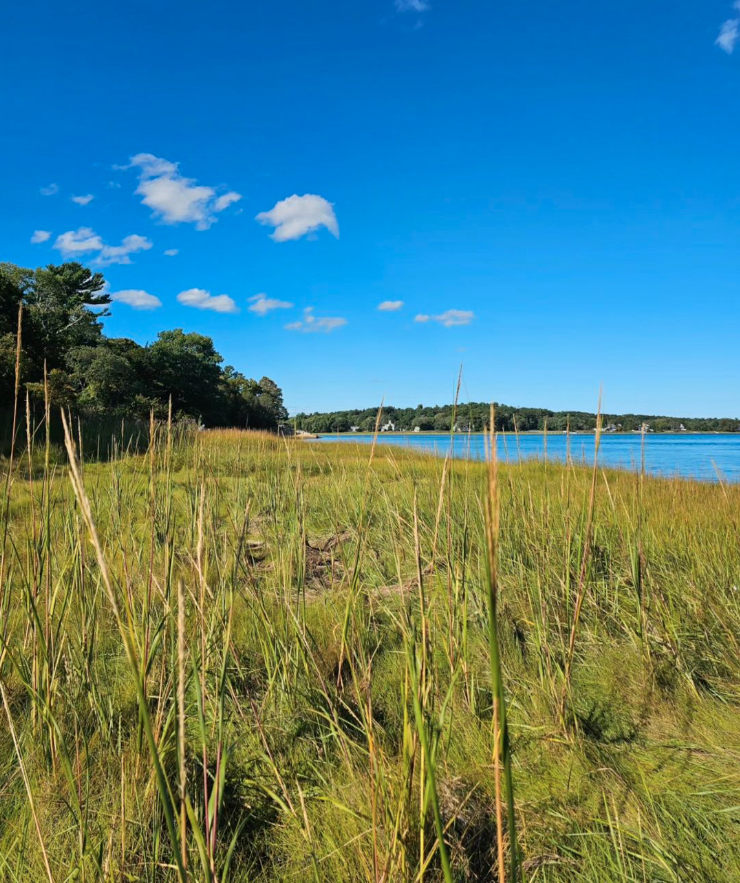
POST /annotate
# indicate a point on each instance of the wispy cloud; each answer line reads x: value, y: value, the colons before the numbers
x: 137, y: 299
x: 311, y: 324
x: 175, y: 199
x: 83, y: 200
x: 204, y: 300
x: 171, y: 252
x: 296, y: 216
x: 40, y: 236
x: 413, y: 5
x: 262, y: 304
x: 85, y: 240
x: 729, y: 33
x: 50, y: 190
x: 449, y: 318
x: 119, y: 254
x: 390, y: 306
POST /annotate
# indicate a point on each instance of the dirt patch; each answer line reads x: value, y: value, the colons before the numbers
x: 324, y: 565
x: 412, y: 583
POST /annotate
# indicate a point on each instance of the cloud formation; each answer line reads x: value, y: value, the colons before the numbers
x: 51, y: 190
x: 204, y: 300
x: 728, y: 35
x: 171, y: 252
x: 310, y: 324
x: 390, y: 306
x: 40, y: 236
x: 85, y: 240
x: 175, y: 199
x: 449, y: 318
x: 137, y: 299
x: 296, y: 216
x: 83, y: 200
x: 413, y: 5
x: 261, y: 304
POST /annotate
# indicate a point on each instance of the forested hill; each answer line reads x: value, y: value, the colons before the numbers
x: 474, y: 416
x: 95, y: 375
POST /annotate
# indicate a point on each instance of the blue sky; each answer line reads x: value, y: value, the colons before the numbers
x: 554, y: 186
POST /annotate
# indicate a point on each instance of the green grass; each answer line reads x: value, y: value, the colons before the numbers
x: 282, y: 662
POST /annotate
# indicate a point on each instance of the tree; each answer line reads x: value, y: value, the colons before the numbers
x: 62, y: 330
x: 105, y: 380
x: 57, y: 315
x: 270, y: 398
x: 442, y: 421
x: 187, y: 367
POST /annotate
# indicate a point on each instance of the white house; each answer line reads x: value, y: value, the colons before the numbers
x: 388, y: 427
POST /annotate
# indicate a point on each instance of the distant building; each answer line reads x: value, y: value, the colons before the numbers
x: 417, y: 429
x: 388, y: 427
x: 682, y: 428
x: 354, y: 428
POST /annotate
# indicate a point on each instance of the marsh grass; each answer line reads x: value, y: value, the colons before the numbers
x: 238, y: 657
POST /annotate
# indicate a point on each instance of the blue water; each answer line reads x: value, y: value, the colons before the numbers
x: 690, y: 455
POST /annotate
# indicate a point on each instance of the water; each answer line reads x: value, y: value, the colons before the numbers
x: 686, y: 454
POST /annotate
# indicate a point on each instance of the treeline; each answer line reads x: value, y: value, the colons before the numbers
x: 474, y: 417
x: 62, y: 333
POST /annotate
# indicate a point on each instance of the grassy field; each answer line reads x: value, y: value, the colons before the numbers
x: 243, y: 659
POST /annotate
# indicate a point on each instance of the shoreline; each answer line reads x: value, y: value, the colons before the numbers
x: 430, y: 432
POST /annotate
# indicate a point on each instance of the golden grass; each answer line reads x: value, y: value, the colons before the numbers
x: 241, y: 657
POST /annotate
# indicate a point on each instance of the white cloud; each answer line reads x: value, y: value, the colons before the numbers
x: 413, y: 5
x: 40, y: 236
x: 175, y: 199
x: 77, y: 242
x: 296, y: 216
x: 85, y: 240
x: 225, y: 200
x: 171, y: 252
x: 51, y: 190
x: 449, y: 318
x: 729, y: 34
x: 204, y: 300
x: 119, y: 254
x: 83, y: 200
x: 139, y: 300
x: 310, y: 324
x: 390, y: 306
x: 262, y: 304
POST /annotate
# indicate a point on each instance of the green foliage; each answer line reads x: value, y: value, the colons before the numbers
x: 474, y: 416
x: 116, y: 377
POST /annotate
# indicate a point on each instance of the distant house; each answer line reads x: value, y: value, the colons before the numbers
x: 354, y: 428
x: 682, y: 428
x: 388, y: 427
x: 417, y: 429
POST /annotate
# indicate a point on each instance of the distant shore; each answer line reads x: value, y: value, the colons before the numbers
x: 429, y: 432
